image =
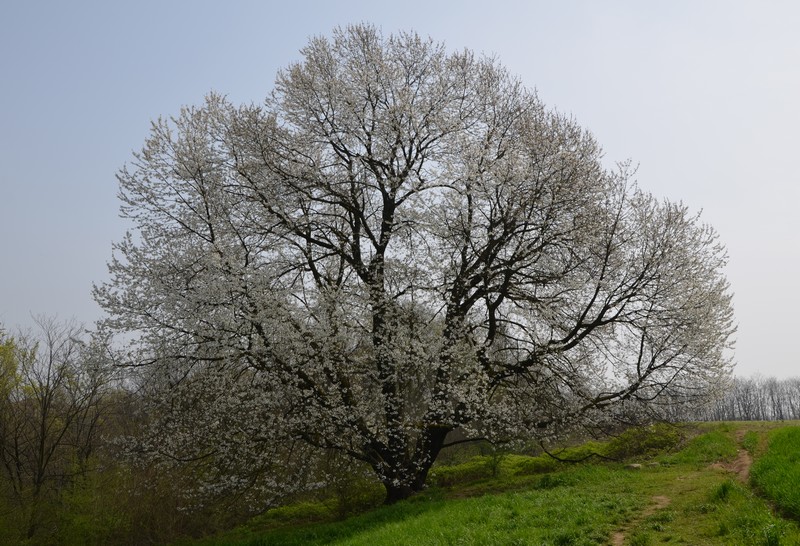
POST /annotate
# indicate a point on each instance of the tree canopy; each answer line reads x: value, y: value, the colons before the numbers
x: 400, y: 243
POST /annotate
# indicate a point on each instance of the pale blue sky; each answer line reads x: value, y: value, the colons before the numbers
x: 703, y: 95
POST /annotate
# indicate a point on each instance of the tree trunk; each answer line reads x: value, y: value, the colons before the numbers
x: 396, y: 493
x: 408, y: 477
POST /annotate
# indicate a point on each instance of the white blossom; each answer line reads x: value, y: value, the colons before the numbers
x: 401, y: 242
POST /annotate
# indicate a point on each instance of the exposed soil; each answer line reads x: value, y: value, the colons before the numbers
x: 657, y: 502
x: 741, y: 464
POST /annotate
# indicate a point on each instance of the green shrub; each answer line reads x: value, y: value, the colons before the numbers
x: 491, y: 466
x: 477, y: 468
x: 644, y: 441
x: 522, y: 465
x: 582, y: 452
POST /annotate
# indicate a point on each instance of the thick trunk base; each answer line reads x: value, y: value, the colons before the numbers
x: 395, y: 493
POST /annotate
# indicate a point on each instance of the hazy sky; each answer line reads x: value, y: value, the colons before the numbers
x: 703, y: 95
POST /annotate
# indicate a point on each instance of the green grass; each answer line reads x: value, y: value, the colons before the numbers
x: 576, y: 508
x: 714, y: 446
x: 739, y: 517
x: 679, y: 496
x: 777, y: 472
x: 751, y: 441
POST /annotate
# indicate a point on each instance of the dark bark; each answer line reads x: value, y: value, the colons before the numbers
x: 395, y: 493
x: 407, y: 476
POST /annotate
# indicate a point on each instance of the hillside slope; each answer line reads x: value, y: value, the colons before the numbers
x: 668, y: 486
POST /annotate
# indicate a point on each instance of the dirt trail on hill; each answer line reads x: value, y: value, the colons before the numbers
x: 657, y: 502
x: 741, y: 464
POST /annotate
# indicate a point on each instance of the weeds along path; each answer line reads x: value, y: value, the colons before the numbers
x: 679, y: 493
x: 657, y: 502
x: 744, y: 460
x: 697, y: 493
x: 740, y: 466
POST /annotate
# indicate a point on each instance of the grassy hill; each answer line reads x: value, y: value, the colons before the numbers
x: 667, y: 485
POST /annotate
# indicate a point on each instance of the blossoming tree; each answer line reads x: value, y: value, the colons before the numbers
x: 401, y: 243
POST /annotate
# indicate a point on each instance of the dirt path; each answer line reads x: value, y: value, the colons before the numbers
x: 743, y: 460
x: 657, y: 502
x: 740, y: 466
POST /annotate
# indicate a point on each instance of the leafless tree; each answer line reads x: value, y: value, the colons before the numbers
x: 51, y: 393
x: 752, y: 399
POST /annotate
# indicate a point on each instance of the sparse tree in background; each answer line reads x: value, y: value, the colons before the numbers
x: 52, y: 387
x: 752, y: 399
x: 400, y: 243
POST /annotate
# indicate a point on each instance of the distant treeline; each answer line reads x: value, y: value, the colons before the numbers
x: 747, y: 399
